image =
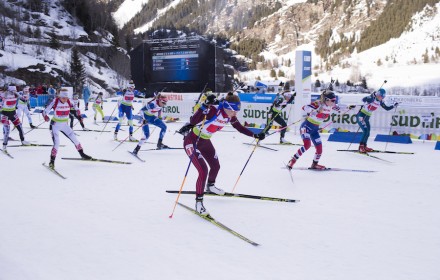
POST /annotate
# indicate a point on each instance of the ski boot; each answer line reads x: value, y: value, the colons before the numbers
x: 160, y: 145
x: 368, y: 150
x: 83, y: 155
x: 131, y: 138
x: 32, y: 126
x: 291, y: 163
x: 200, y: 209
x: 210, y: 187
x: 284, y: 141
x: 136, y: 150
x: 25, y: 143
x: 52, y: 162
x: 315, y: 165
x: 115, y: 136
x: 362, y: 148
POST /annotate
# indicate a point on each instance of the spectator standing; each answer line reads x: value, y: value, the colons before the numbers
x: 86, y: 96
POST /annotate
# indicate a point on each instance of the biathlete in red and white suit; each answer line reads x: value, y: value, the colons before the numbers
x: 9, y: 113
x: 198, y: 145
x: 317, y: 112
x: 60, y: 123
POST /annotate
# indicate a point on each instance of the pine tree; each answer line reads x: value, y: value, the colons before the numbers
x: 77, y: 70
x: 426, y: 57
x: 37, y: 33
x: 379, y: 62
x: 53, y: 41
x: 281, y: 73
x: 364, y: 83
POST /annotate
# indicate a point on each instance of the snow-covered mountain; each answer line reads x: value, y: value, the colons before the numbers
x: 334, y: 30
x: 345, y: 36
x: 28, y: 55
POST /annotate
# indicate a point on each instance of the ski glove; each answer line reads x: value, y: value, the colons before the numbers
x: 260, y: 136
x: 46, y: 118
x: 351, y: 107
x: 185, y: 129
x: 396, y: 104
x: 210, y: 99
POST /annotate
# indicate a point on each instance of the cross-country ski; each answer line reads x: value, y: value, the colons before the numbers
x: 160, y: 149
x: 53, y: 170
x: 5, y: 152
x: 91, y: 130
x: 261, y: 146
x: 379, y: 151
x: 283, y: 144
x: 332, y: 169
x: 213, y: 221
x: 239, y: 195
x: 371, y: 156
x: 136, y: 156
x: 34, y: 145
x: 97, y: 160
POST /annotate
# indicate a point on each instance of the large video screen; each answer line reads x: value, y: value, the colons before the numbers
x: 175, y: 65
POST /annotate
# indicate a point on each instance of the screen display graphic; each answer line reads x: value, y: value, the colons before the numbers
x: 175, y: 65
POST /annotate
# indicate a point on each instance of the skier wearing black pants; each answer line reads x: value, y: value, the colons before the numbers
x: 275, y: 113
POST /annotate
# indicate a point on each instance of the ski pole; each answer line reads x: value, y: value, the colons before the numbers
x: 187, y: 169
x: 349, y: 109
x: 391, y: 125
x: 108, y: 119
x: 268, y: 125
x: 122, y: 142
x: 354, y: 136
x: 253, y: 150
x: 239, y: 176
x: 34, y: 128
x: 281, y: 128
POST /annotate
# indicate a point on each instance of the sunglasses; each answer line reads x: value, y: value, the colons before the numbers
x: 332, y: 100
x: 234, y: 106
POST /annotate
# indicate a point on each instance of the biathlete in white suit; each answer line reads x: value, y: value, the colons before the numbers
x: 59, y: 123
x: 23, y: 105
x: 149, y: 112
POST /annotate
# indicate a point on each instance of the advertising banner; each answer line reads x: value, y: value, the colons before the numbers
x: 303, y: 81
x: 409, y: 119
x: 257, y: 98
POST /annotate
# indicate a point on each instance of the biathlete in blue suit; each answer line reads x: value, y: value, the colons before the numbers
x: 371, y: 103
x: 149, y: 117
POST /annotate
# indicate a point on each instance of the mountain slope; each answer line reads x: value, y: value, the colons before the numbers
x: 38, y: 44
x: 335, y: 30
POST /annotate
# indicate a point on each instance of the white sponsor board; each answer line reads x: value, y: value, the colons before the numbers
x: 409, y: 118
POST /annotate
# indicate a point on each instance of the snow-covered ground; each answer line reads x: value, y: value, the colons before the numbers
x: 109, y: 221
